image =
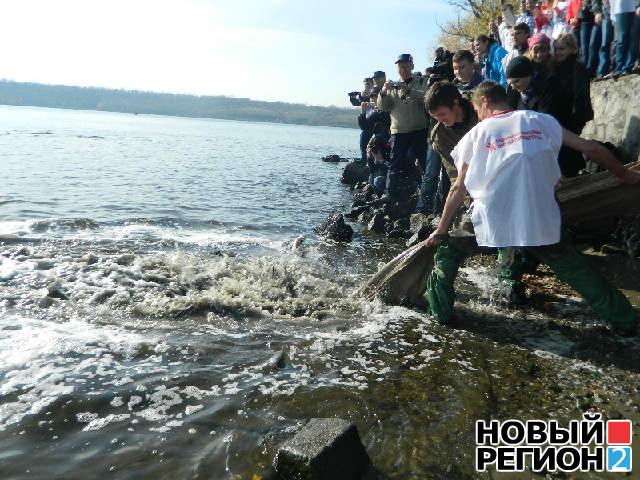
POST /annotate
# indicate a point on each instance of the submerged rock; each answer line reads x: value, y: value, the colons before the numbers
x: 324, y: 449
x: 334, y: 228
x: 334, y: 159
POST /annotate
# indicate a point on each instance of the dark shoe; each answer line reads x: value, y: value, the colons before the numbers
x: 511, y: 293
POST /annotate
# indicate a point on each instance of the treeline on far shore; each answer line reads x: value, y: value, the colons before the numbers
x: 133, y: 101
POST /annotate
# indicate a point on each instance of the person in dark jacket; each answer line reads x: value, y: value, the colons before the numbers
x: 372, y: 121
x: 545, y: 94
x: 575, y: 80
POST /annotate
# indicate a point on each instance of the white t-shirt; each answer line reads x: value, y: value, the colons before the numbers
x: 513, y: 169
x: 622, y: 6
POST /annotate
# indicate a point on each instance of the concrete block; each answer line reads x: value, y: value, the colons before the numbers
x: 324, y: 449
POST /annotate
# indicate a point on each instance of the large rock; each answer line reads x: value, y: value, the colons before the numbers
x: 324, y: 449
x: 355, y: 171
x: 335, y: 228
x: 616, y: 107
x: 334, y: 159
x: 377, y: 222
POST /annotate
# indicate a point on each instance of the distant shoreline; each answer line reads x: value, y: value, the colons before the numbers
x: 176, y: 105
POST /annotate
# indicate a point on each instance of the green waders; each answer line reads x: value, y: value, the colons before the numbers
x: 569, y: 265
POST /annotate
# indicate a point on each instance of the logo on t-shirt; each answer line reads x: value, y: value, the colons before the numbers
x: 527, y: 135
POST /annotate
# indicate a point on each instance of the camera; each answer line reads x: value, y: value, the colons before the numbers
x: 397, y: 84
x: 354, y: 98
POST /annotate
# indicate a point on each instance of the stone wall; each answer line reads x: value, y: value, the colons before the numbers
x: 616, y: 106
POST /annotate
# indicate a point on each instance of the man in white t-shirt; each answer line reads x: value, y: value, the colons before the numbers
x: 509, y: 165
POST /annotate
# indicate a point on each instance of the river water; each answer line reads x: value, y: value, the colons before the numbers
x: 155, y: 321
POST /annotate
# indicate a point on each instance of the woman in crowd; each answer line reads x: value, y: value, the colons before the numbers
x: 541, y: 22
x: 540, y: 53
x: 493, y: 54
x: 560, y: 18
x: 575, y: 81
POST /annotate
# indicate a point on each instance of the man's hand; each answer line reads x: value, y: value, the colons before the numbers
x: 435, y: 239
x: 388, y: 85
x: 573, y: 21
x: 363, y: 108
x: 598, y: 19
x: 630, y: 176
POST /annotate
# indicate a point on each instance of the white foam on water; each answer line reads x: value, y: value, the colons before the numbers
x: 42, y: 360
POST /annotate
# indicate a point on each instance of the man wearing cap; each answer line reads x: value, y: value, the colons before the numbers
x: 379, y: 77
x: 507, y: 163
x: 404, y: 100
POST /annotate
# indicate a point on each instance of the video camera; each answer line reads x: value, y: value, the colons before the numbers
x: 356, y: 98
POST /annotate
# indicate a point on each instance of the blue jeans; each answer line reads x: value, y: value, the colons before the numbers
x: 365, y: 136
x: 429, y: 185
x: 605, y: 46
x: 628, y: 28
x: 405, y: 149
x: 590, y: 43
x: 378, y: 184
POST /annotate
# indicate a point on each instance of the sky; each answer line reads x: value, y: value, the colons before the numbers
x: 299, y: 51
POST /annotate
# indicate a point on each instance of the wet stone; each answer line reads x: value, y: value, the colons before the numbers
x: 355, y: 212
x: 377, y: 222
x: 421, y: 234
x: 324, y: 449
x: 334, y: 228
x: 354, y: 172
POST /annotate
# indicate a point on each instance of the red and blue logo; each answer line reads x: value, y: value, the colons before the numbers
x: 619, y: 445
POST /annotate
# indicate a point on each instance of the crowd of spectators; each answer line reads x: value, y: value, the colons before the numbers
x: 544, y: 54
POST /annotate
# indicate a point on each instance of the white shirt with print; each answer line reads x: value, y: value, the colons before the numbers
x: 513, y: 169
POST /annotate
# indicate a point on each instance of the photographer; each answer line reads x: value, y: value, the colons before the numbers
x: 442, y: 66
x: 372, y: 122
x: 356, y: 98
x: 379, y: 78
x: 377, y: 157
x: 404, y: 101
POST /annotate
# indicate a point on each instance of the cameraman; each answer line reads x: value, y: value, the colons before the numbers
x: 379, y: 77
x: 356, y: 98
x: 377, y: 158
x: 372, y: 122
x: 442, y: 66
x: 404, y: 100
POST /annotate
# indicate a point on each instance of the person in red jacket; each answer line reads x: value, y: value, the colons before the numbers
x: 573, y: 19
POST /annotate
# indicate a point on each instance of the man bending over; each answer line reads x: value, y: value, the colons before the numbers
x: 508, y: 164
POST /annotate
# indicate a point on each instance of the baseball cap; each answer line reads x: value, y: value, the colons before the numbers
x: 404, y: 57
x: 379, y: 74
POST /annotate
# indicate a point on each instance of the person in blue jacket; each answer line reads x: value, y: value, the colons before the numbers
x: 493, y: 54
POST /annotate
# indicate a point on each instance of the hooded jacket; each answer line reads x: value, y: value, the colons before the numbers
x: 493, y: 64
